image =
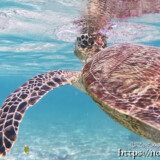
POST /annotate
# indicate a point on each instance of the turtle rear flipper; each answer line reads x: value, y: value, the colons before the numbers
x: 14, y: 107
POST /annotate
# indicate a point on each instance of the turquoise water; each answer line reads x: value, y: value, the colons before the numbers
x: 38, y: 36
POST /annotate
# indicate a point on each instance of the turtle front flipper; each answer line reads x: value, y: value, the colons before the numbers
x: 14, y: 107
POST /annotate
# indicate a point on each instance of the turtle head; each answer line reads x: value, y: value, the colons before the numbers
x: 87, y: 45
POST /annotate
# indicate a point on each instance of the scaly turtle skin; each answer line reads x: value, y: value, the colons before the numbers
x: 123, y: 79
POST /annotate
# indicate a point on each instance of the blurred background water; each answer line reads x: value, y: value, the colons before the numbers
x: 38, y: 36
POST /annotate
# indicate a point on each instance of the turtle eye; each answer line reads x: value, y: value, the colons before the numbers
x: 91, y: 41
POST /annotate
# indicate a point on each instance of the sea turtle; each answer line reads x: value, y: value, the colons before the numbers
x: 123, y: 79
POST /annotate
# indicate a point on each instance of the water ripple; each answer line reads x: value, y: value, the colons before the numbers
x: 38, y: 36
x: 33, y: 36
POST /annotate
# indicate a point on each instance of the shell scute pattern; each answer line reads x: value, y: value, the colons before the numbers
x: 127, y: 78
